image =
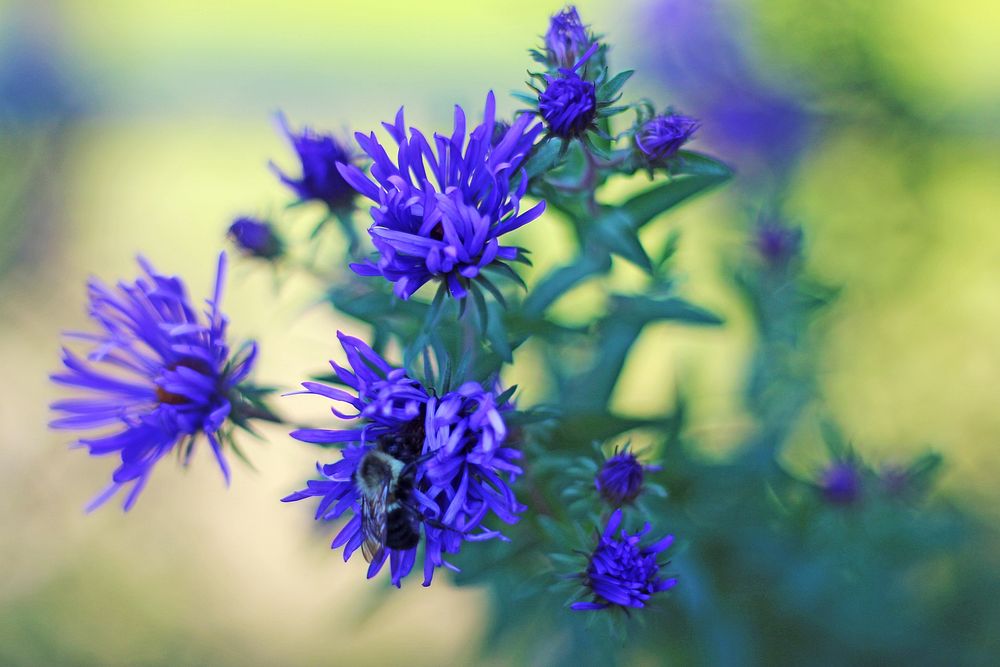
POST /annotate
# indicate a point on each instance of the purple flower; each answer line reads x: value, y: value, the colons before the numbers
x: 703, y: 53
x: 619, y: 481
x: 450, y: 449
x: 840, y: 483
x: 568, y: 102
x: 568, y: 105
x: 256, y: 238
x: 621, y: 573
x: 660, y: 137
x: 776, y: 243
x: 319, y: 155
x: 567, y: 39
x: 439, y: 212
x: 157, y: 376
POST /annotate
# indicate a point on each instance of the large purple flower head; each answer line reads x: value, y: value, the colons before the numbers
x: 439, y: 212
x: 256, y: 238
x: 567, y: 39
x: 660, y: 137
x: 449, y: 450
x: 318, y: 155
x: 621, y: 572
x: 158, y: 375
x: 619, y: 481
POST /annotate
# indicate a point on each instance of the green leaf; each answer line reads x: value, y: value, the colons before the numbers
x: 610, y: 88
x: 669, y: 249
x: 480, y: 303
x: 531, y: 100
x: 699, y: 164
x: 434, y: 311
x: 505, y: 396
x: 833, y: 437
x: 614, y: 231
x: 486, y: 283
x: 577, y: 427
x: 504, y: 270
x: 643, y: 310
x: 496, y: 333
x: 545, y: 157
x: 661, y: 198
x: 563, y: 279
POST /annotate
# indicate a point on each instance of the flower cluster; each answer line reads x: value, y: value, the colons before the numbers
x: 439, y: 212
x: 157, y: 375
x: 454, y: 446
x: 424, y: 465
x: 621, y: 573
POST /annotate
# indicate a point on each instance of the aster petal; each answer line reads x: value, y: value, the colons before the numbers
x: 322, y: 436
x: 357, y: 180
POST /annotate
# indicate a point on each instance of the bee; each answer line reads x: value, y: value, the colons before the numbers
x: 384, y: 479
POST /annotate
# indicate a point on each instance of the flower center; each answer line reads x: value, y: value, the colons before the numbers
x: 568, y: 105
x: 169, y: 398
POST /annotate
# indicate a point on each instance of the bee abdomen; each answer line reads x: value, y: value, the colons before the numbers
x: 402, y: 528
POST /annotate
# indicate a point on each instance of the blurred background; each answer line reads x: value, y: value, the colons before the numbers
x: 146, y: 126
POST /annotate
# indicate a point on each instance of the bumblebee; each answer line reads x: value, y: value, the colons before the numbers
x: 384, y: 479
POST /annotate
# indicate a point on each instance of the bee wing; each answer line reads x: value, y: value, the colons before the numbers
x: 373, y: 524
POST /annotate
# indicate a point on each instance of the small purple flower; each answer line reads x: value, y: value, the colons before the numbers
x: 256, y: 238
x: 619, y: 481
x: 567, y: 39
x: 439, y: 214
x: 840, y: 483
x: 568, y: 105
x: 776, y: 243
x: 660, y: 137
x: 621, y: 573
x: 319, y: 155
x: 157, y: 376
x: 455, y: 443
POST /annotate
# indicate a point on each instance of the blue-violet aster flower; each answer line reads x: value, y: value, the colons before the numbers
x: 622, y: 573
x: 566, y: 39
x: 440, y: 214
x: 158, y: 376
x: 777, y: 243
x: 840, y: 483
x: 453, y: 446
x: 319, y: 155
x: 568, y: 104
x: 619, y: 481
x: 256, y: 238
x: 660, y: 137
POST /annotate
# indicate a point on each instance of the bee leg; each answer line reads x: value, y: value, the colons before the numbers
x: 438, y: 524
